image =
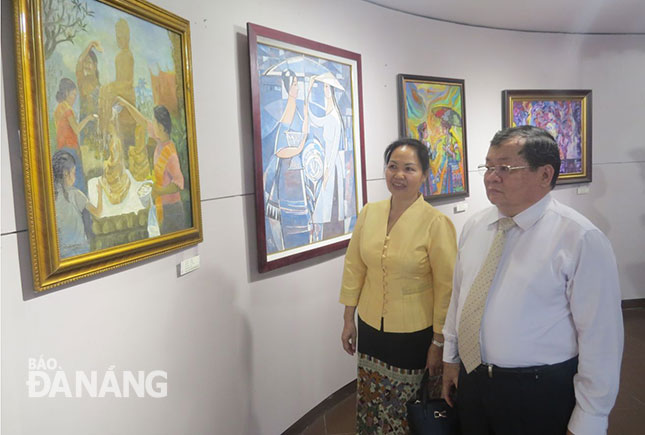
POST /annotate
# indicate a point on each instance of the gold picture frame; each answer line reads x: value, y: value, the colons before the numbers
x: 108, y: 135
x: 566, y: 114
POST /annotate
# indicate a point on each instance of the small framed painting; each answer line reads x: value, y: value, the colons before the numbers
x: 308, y: 143
x: 433, y: 110
x: 108, y: 134
x: 566, y: 114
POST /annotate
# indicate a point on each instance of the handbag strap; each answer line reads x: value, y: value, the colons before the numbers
x: 422, y: 392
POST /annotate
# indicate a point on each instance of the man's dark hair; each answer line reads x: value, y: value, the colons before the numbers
x: 539, y: 148
x: 419, y: 147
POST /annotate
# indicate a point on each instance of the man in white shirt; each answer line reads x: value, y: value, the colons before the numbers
x: 546, y: 354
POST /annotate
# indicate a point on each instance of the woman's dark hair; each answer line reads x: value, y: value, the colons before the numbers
x: 62, y: 162
x: 163, y: 117
x: 419, y: 147
x: 64, y: 88
x: 288, y: 77
x: 539, y: 148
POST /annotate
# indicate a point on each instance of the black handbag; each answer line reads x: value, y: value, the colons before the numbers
x: 430, y: 416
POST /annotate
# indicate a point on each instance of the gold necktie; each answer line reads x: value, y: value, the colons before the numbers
x: 471, y: 314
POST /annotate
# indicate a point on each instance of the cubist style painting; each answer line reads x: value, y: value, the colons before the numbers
x: 308, y: 145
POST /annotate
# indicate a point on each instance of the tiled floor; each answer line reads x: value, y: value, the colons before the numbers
x: 627, y: 418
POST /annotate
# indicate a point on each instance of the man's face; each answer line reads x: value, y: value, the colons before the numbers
x: 516, y: 191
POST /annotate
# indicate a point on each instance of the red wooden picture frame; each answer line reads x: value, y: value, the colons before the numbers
x: 308, y: 146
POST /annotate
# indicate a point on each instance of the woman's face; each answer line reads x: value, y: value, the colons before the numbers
x: 403, y: 173
x: 327, y: 91
x: 71, y: 97
x: 89, y: 67
x: 70, y: 177
x: 293, y: 90
x: 159, y: 131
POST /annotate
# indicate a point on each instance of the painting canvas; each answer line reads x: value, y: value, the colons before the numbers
x: 115, y: 142
x: 564, y: 114
x: 308, y: 145
x: 432, y: 110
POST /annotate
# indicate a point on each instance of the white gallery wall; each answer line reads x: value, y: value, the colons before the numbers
x: 250, y: 353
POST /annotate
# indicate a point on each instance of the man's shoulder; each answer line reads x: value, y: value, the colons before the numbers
x: 572, y: 217
x: 486, y: 215
x: 478, y: 221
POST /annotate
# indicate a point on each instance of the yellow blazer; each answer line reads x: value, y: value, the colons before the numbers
x: 404, y: 277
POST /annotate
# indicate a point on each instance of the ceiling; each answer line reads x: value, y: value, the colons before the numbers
x: 561, y: 16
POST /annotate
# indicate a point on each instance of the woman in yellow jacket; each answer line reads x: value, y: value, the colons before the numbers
x: 398, y: 272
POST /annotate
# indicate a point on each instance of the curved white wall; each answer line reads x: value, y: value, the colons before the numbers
x: 248, y: 353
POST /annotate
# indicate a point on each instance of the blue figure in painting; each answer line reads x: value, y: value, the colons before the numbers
x: 287, y: 214
x: 329, y: 197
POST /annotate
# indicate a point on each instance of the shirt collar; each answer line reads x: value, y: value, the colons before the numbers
x: 416, y: 203
x: 528, y: 217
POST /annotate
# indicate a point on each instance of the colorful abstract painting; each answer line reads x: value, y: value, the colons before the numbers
x: 112, y: 135
x: 309, y: 137
x: 564, y: 114
x: 432, y: 111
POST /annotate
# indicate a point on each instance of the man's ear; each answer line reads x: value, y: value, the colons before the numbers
x: 547, y: 174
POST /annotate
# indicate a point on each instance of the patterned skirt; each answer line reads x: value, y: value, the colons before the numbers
x: 390, y: 368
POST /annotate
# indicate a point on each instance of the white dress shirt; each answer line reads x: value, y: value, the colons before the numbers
x: 555, y: 295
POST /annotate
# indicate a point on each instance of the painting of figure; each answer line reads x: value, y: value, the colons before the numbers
x: 311, y: 175
x: 108, y: 137
x: 432, y: 110
x: 115, y: 97
x: 566, y: 114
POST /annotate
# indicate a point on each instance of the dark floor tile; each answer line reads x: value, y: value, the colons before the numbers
x: 341, y: 419
x: 316, y: 428
x: 627, y: 422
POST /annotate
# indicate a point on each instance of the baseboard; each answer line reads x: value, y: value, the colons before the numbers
x: 319, y: 410
x: 633, y: 303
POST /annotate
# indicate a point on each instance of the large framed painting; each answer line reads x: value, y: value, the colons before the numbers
x: 308, y: 145
x: 566, y: 114
x: 108, y: 134
x: 433, y: 110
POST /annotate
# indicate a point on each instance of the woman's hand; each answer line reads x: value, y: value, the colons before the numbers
x: 348, y: 336
x: 434, y: 362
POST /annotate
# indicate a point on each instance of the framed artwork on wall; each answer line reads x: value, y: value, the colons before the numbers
x: 433, y: 110
x: 566, y: 114
x: 308, y: 145
x: 108, y: 134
